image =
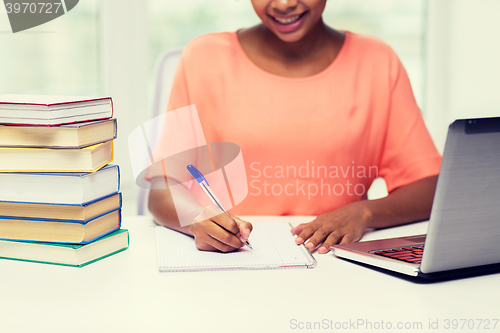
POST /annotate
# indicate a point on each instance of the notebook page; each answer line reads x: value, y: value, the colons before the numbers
x: 273, y: 247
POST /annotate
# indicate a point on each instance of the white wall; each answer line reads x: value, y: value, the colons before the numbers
x: 463, y: 63
x: 125, y: 47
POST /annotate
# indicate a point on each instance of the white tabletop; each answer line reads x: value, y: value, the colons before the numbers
x: 126, y: 293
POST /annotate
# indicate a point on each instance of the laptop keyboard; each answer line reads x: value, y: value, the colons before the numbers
x: 411, y: 254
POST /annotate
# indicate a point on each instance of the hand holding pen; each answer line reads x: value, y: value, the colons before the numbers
x: 215, y: 229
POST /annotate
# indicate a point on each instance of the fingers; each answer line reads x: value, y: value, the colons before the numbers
x: 308, y: 229
x: 244, y: 227
x: 331, y: 240
x: 316, y: 233
x: 226, y: 222
x: 210, y: 237
x: 211, y: 244
x: 298, y: 229
x: 216, y: 230
x: 205, y: 247
x: 224, y: 237
x: 216, y: 215
x: 318, y: 237
x: 348, y: 238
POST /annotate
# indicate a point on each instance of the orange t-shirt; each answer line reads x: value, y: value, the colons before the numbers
x: 310, y: 145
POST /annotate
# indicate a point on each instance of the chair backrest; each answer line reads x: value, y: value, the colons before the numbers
x: 164, y: 71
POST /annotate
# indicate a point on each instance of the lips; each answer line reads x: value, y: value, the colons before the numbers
x: 288, y: 23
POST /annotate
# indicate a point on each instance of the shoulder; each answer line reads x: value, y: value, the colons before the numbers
x: 371, y: 44
x: 372, y: 55
x: 372, y: 48
x: 210, y: 47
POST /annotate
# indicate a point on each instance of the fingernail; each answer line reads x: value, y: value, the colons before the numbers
x: 310, y: 246
x: 322, y: 250
x: 299, y: 240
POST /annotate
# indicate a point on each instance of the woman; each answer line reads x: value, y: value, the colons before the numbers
x: 297, y: 95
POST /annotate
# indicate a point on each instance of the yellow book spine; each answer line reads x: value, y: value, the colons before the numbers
x: 79, y: 170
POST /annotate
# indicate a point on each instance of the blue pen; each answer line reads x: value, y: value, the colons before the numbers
x: 201, y: 180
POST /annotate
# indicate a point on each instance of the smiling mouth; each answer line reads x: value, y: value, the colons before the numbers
x: 288, y: 20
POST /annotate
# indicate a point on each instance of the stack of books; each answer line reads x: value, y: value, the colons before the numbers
x: 59, y: 198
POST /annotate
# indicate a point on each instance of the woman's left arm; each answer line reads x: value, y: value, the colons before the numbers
x: 409, y: 203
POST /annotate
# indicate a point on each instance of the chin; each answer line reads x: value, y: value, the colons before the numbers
x: 290, y: 38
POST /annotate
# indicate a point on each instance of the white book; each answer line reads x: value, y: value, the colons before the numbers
x: 273, y: 247
x: 43, y: 110
x: 71, y: 188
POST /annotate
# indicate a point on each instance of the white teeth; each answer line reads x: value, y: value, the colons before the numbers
x: 289, y: 20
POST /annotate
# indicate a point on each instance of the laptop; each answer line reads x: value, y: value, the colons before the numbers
x: 463, y: 237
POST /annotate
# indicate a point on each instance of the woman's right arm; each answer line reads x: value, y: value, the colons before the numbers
x: 161, y: 205
x: 212, y: 229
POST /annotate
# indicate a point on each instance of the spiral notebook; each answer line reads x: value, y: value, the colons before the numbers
x: 273, y: 247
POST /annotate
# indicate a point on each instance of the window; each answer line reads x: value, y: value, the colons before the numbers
x: 60, y: 57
